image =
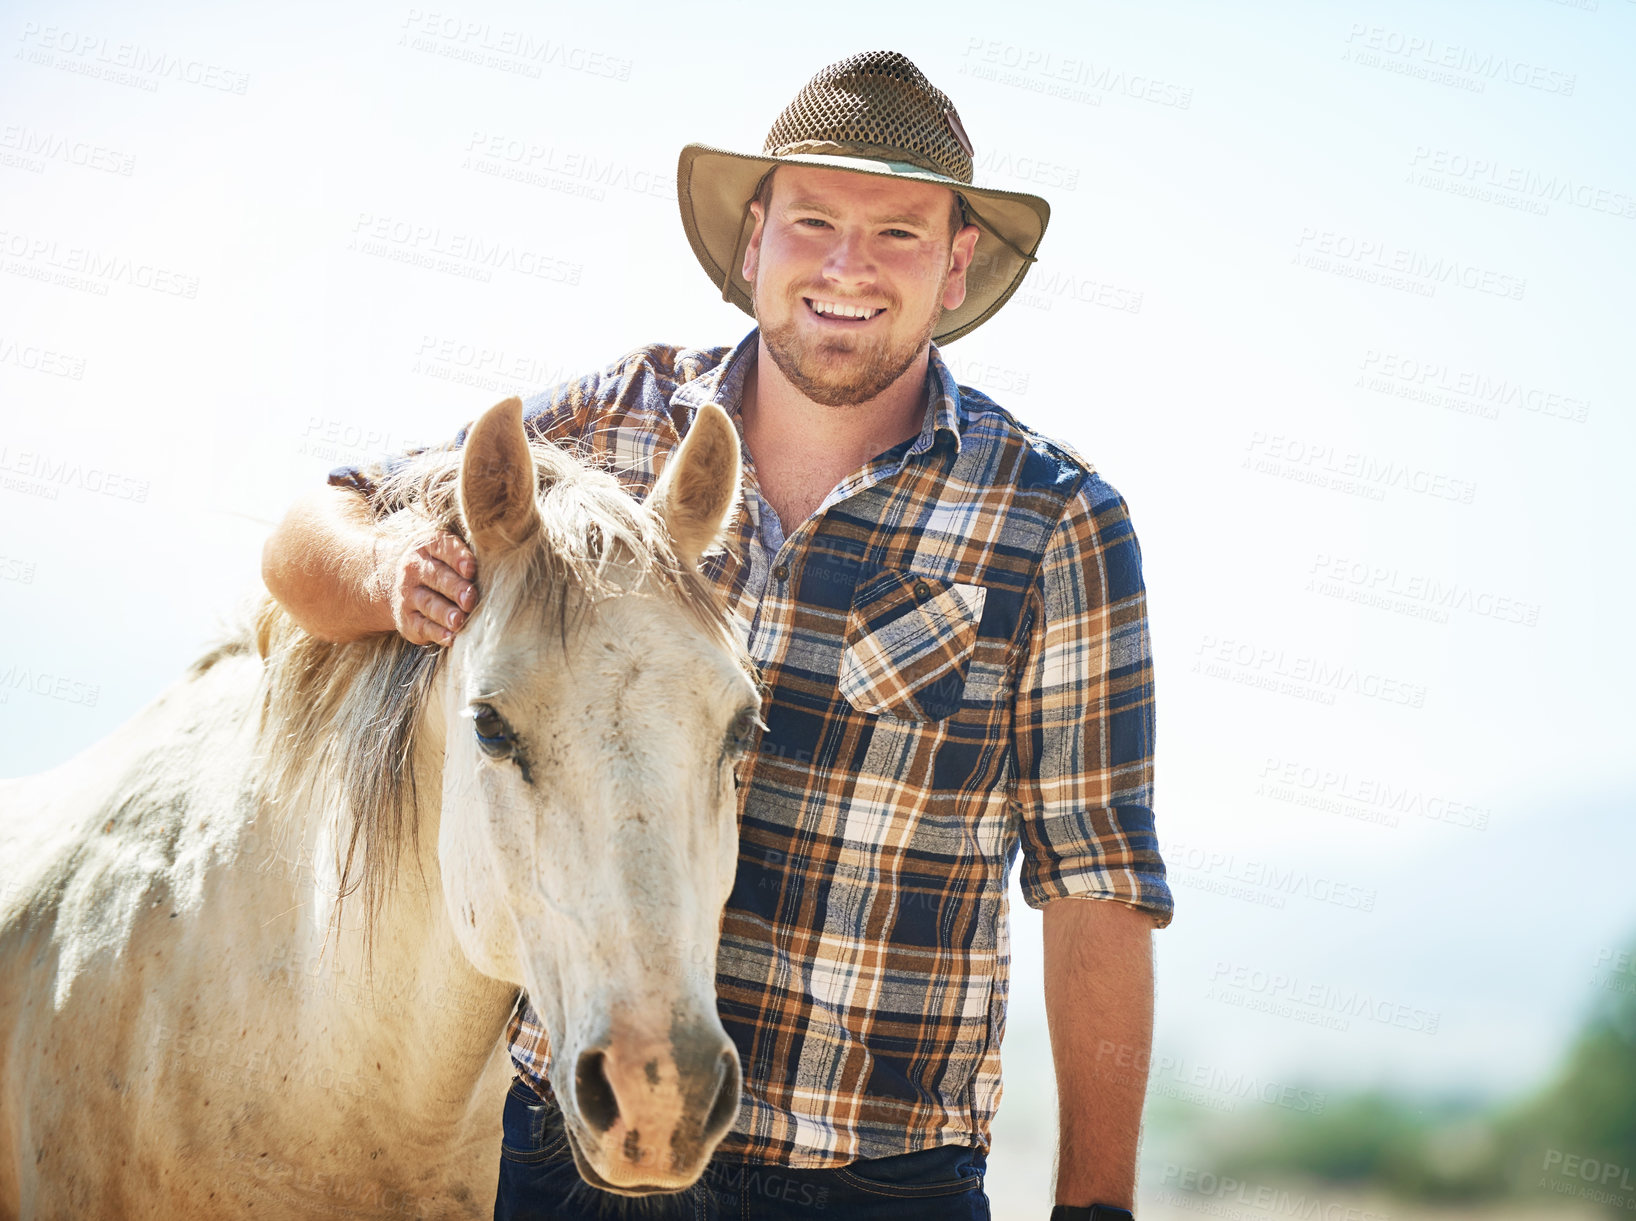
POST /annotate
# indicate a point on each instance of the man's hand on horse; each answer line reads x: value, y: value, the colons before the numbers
x: 429, y: 587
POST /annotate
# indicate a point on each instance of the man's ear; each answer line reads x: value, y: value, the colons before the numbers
x: 961, y: 253
x: 752, y: 251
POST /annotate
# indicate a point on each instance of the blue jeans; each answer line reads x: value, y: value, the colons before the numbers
x: 538, y: 1182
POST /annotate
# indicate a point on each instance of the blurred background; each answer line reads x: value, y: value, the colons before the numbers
x: 1337, y: 295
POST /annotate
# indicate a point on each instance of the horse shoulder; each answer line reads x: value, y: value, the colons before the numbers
x: 110, y: 857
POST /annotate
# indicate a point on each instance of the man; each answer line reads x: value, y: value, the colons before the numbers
x: 948, y: 613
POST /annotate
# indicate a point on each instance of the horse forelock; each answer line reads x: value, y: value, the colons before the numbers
x: 339, y: 721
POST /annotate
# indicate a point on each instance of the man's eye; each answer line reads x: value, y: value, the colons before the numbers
x: 493, y: 734
x: 813, y: 221
x: 898, y: 233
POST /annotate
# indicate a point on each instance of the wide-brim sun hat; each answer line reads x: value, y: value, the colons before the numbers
x: 877, y: 114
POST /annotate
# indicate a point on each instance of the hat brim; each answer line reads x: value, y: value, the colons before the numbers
x: 714, y: 187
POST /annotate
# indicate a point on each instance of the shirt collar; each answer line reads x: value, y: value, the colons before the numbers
x: 943, y: 405
x: 724, y: 386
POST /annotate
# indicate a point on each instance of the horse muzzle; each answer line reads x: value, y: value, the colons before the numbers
x: 645, y: 1114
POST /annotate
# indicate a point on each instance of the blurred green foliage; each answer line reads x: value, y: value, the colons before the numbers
x: 1456, y: 1150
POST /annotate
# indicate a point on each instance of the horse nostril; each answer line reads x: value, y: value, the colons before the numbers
x: 594, y: 1092
x: 725, y: 1107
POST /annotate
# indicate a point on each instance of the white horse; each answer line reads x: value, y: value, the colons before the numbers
x: 193, y: 1025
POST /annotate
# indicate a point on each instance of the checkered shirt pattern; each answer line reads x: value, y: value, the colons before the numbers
x: 957, y: 663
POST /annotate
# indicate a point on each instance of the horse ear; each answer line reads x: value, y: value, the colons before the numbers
x: 699, y: 487
x: 497, y: 481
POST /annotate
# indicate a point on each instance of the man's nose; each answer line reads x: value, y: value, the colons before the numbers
x: 849, y: 262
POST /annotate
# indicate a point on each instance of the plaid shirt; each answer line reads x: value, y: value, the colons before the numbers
x: 956, y: 658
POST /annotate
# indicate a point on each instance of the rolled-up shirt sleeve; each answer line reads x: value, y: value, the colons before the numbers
x: 549, y: 415
x: 1084, y: 724
x: 367, y: 478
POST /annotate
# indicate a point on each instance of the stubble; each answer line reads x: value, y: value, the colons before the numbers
x: 837, y: 375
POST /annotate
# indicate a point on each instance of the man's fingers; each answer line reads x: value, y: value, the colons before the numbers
x: 445, y: 560
x: 455, y: 554
x: 432, y: 599
x: 421, y: 630
x: 437, y: 609
x: 436, y: 575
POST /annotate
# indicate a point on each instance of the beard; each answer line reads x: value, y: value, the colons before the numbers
x: 837, y: 371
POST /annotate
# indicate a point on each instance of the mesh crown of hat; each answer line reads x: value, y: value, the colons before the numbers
x: 876, y: 103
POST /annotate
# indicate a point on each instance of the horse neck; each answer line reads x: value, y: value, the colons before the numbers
x: 404, y: 994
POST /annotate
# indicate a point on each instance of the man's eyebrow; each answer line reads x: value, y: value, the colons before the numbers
x: 912, y: 219
x: 900, y: 218
x: 808, y: 205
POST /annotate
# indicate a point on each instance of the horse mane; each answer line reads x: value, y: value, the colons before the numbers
x: 338, y: 721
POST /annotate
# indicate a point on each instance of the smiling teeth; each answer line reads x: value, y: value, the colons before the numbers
x: 843, y: 311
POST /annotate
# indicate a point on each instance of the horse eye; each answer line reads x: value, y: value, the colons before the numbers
x: 742, y: 732
x: 493, y: 734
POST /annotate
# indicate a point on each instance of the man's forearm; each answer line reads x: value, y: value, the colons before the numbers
x: 1099, y: 1003
x: 321, y: 564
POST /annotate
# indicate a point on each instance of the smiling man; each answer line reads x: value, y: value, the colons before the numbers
x: 859, y: 273
x: 948, y: 613
x: 852, y: 275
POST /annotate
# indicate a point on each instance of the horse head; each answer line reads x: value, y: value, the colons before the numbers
x: 594, y: 709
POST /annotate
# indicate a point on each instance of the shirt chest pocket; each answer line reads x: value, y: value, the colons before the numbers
x: 909, y: 641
